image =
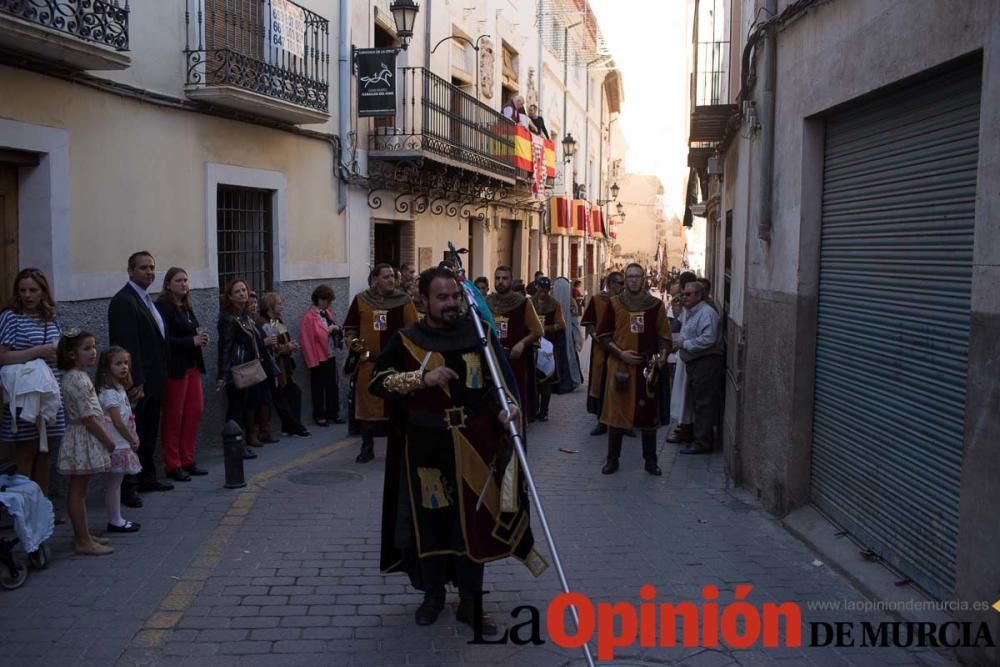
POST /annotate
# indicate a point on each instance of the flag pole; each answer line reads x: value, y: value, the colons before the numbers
x: 494, y: 366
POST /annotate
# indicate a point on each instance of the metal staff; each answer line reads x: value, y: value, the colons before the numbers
x: 494, y: 367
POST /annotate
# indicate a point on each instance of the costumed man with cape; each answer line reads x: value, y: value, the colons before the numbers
x: 553, y: 324
x: 518, y: 328
x: 373, y: 319
x: 592, y: 316
x: 636, y: 335
x: 454, y: 496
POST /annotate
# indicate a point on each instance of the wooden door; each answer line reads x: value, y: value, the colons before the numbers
x: 8, y: 231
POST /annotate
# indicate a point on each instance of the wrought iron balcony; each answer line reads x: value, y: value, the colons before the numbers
x: 265, y: 57
x: 84, y: 34
x: 439, y: 121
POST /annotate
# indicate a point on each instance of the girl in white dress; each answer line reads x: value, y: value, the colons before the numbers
x: 86, y: 448
x: 113, y: 380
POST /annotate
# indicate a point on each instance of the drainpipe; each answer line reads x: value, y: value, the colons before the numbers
x: 427, y: 37
x: 598, y: 269
x: 564, y: 241
x: 765, y: 222
x: 541, y: 52
x: 542, y: 238
x: 343, y: 99
x: 566, y: 74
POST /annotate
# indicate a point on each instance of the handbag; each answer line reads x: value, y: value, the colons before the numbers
x: 248, y: 373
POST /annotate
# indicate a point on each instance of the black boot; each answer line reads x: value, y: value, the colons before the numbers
x: 600, y: 429
x: 614, y: 451
x: 367, y: 451
x: 466, y: 613
x: 649, y: 453
x: 543, y: 410
x: 430, y: 608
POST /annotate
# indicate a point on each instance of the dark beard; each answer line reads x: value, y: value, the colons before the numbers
x: 442, y: 322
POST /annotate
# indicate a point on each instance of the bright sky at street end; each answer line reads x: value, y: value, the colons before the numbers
x: 650, y: 43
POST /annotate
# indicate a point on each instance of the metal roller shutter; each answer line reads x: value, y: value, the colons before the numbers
x: 899, y: 190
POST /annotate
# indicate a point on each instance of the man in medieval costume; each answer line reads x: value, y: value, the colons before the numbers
x: 592, y: 316
x: 553, y: 324
x: 518, y: 328
x: 634, y: 329
x: 454, y: 495
x: 374, y: 318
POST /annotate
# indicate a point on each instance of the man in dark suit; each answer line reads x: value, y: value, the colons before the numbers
x: 136, y: 325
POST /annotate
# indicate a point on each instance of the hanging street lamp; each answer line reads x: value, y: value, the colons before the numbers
x: 404, y: 14
x: 569, y: 147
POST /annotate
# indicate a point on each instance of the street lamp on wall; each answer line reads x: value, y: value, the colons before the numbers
x: 614, y: 190
x: 569, y: 147
x: 404, y: 14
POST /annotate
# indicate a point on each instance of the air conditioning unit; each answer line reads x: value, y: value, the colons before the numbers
x: 715, y: 166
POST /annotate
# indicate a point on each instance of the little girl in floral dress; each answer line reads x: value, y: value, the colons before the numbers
x: 86, y: 448
x: 113, y: 379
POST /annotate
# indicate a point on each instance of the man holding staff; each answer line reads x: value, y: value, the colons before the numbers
x: 454, y: 496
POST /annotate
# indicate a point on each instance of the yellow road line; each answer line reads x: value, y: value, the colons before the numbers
x: 208, y: 556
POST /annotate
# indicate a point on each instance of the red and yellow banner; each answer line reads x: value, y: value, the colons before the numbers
x: 533, y: 152
x: 596, y: 223
x: 580, y: 217
x: 559, y: 216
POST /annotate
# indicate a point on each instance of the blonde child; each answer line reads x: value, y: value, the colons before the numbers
x: 86, y: 448
x: 113, y: 380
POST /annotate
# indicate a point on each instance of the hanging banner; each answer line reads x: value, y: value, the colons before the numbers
x: 376, y: 82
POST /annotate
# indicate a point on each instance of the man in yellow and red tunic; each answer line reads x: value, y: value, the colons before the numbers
x: 553, y: 324
x: 454, y: 497
x: 374, y: 317
x: 518, y: 328
x: 592, y: 316
x: 634, y: 329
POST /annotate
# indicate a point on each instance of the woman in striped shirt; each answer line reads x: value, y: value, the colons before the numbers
x: 29, y: 330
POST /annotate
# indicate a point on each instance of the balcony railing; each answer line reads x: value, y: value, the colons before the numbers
x: 103, y: 22
x: 435, y: 117
x: 273, y: 48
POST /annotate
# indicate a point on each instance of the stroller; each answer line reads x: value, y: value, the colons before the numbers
x: 33, y: 525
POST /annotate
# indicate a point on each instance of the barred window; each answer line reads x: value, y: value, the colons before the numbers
x: 245, y: 229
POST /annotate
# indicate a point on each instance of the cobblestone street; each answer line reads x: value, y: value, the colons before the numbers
x: 285, y: 571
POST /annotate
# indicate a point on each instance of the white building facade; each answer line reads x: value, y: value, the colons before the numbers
x: 443, y: 168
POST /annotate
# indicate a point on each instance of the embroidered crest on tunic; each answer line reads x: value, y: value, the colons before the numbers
x: 503, y: 325
x: 637, y: 323
x: 473, y: 370
x: 380, y: 320
x: 433, y: 493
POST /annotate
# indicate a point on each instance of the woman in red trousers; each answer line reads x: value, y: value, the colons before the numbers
x: 182, y: 399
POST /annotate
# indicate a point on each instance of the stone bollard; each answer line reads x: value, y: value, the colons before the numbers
x: 232, y: 447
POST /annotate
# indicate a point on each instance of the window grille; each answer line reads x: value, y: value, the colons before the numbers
x: 245, y: 228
